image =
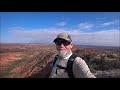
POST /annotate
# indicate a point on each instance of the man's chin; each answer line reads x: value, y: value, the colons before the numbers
x: 62, y: 53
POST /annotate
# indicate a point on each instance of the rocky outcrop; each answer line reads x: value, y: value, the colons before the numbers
x: 37, y: 67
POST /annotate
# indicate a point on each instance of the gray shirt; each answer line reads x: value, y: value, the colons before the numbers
x: 80, y: 69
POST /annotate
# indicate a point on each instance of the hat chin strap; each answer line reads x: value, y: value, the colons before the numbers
x: 64, y: 55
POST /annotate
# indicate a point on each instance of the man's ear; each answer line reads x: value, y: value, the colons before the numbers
x: 71, y: 44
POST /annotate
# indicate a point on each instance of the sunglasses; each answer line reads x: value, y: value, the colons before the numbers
x: 64, y: 42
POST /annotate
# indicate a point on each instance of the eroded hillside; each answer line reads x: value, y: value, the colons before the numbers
x: 33, y: 60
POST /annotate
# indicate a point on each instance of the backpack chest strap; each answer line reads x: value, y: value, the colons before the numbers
x: 61, y: 67
x: 69, y: 68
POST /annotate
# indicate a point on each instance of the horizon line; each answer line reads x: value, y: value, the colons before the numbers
x: 54, y: 44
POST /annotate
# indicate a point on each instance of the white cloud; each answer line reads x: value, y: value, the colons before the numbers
x: 110, y: 23
x: 105, y: 37
x: 85, y: 25
x: 61, y: 23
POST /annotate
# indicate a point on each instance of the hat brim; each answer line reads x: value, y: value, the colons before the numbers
x: 55, y: 40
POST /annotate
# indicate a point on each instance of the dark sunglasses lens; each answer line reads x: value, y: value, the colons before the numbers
x: 65, y: 43
x: 58, y: 43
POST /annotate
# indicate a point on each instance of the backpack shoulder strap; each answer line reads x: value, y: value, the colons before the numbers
x: 54, y: 61
x: 70, y: 65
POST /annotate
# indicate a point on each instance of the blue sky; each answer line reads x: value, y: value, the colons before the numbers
x: 85, y: 28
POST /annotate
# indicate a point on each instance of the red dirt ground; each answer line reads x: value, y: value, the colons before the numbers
x: 6, y: 58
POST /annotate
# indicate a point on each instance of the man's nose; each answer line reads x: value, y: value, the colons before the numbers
x: 61, y: 45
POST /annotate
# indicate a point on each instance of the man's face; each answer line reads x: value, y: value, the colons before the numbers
x: 63, y: 46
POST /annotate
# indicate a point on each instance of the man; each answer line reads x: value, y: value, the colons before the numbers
x: 79, y: 68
